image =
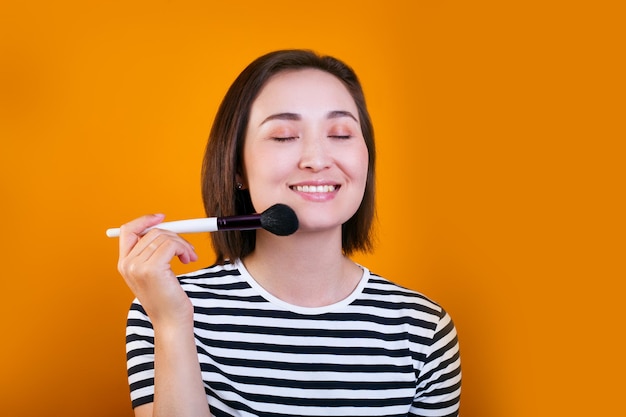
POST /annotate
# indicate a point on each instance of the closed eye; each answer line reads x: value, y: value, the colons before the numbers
x: 340, y: 136
x: 284, y: 138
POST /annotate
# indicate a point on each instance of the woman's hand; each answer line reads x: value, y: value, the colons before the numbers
x: 144, y: 262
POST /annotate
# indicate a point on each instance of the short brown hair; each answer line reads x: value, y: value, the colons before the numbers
x: 223, y: 155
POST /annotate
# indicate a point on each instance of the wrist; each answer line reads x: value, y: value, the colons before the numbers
x: 173, y: 333
x: 181, y: 321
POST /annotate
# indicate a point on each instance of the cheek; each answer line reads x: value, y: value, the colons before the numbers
x: 255, y: 163
x: 265, y: 169
x: 360, y: 163
x: 264, y: 174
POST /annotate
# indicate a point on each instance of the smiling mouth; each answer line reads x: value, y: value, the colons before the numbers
x: 315, y: 188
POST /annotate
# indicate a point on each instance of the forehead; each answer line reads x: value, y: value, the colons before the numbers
x: 302, y: 89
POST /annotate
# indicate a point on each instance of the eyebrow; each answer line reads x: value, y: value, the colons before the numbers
x: 341, y: 113
x: 296, y: 117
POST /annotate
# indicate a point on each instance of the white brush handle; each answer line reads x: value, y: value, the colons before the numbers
x: 208, y: 224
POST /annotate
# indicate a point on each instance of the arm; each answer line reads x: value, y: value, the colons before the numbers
x: 179, y: 389
x: 439, y: 380
x: 145, y: 265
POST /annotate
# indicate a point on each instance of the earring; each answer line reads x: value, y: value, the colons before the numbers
x: 239, y: 186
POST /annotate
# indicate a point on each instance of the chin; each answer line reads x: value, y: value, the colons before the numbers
x: 317, y: 224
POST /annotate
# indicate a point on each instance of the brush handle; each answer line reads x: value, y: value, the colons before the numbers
x: 208, y: 224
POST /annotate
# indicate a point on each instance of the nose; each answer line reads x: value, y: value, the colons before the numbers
x: 315, y: 154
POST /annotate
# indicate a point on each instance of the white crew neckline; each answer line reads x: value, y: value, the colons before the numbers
x: 300, y: 309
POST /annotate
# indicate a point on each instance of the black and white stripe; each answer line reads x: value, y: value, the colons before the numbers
x: 384, y: 351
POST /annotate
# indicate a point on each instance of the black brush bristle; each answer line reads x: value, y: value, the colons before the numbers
x: 279, y: 219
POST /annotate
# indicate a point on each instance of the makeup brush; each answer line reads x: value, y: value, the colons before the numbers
x: 279, y: 219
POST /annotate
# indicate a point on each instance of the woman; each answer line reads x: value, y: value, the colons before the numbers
x: 284, y: 325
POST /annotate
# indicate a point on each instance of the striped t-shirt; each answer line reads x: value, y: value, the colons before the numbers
x: 383, y: 351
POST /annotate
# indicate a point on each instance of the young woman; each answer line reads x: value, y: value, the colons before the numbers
x: 284, y: 325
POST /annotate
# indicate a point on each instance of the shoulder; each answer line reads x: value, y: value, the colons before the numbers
x: 386, y: 292
x: 213, y: 271
x: 386, y: 298
x: 219, y: 285
x: 200, y: 284
x: 216, y: 277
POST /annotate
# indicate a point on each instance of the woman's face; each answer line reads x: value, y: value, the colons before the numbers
x: 304, y: 148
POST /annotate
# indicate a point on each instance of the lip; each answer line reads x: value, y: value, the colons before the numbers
x: 316, y: 191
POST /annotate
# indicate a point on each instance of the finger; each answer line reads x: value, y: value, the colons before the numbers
x: 130, y: 233
x: 162, y: 245
x: 150, y: 258
x: 165, y: 247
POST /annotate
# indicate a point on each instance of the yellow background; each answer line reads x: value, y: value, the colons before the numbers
x: 500, y: 129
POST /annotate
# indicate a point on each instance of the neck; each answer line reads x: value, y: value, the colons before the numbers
x: 307, y: 270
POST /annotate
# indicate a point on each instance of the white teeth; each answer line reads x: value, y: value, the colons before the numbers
x: 314, y: 188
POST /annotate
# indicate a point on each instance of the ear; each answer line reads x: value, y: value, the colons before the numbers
x: 240, y: 184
